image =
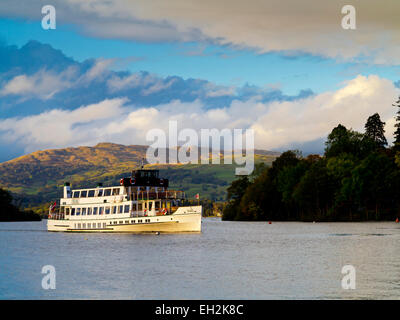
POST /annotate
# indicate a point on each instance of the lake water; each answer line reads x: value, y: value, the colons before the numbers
x: 228, y: 260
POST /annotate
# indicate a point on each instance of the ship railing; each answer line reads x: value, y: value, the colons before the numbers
x: 56, y: 216
x: 151, y: 195
x: 159, y: 212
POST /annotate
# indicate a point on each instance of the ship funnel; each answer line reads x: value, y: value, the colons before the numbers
x: 67, y: 190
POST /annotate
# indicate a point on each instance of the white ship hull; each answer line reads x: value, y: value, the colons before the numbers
x: 185, y: 219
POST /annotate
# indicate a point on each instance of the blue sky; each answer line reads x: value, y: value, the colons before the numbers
x: 289, y: 74
x: 225, y: 65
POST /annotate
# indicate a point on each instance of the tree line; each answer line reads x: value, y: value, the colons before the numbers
x: 10, y: 209
x: 356, y: 179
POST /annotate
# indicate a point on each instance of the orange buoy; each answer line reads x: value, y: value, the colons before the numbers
x: 269, y: 222
x: 397, y: 220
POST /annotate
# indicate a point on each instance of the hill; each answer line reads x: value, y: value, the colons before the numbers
x: 37, y: 178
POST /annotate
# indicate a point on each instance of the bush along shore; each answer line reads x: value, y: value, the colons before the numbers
x: 357, y: 179
x: 9, y: 210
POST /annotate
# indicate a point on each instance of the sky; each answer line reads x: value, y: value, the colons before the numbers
x: 112, y: 70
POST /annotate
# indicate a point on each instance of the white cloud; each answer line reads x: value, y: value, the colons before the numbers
x: 96, y: 72
x: 43, y: 84
x: 158, y: 86
x: 17, y: 85
x: 62, y: 128
x: 152, y: 83
x: 219, y: 91
x: 314, y: 117
x: 116, y: 83
x: 273, y: 25
x: 276, y: 124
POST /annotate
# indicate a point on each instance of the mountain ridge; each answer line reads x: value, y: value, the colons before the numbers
x: 37, y: 177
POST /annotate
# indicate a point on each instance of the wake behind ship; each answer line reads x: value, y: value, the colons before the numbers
x: 139, y: 204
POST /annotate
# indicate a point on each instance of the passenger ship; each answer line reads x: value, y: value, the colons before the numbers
x: 139, y: 204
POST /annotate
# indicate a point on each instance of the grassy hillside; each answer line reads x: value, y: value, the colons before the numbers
x: 37, y: 178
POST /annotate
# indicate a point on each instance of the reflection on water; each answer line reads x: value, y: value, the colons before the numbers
x: 228, y: 260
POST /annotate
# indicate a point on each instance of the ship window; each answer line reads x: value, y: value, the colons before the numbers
x: 140, y: 206
x: 100, y: 193
x: 121, y: 209
x: 150, y: 205
x: 99, y: 225
x: 107, y: 192
x: 157, y: 204
x: 94, y: 225
x: 101, y: 210
x: 95, y: 210
x: 72, y: 211
x: 107, y: 210
x: 121, y: 222
x: 79, y: 225
x: 89, y: 225
x: 104, y: 225
x: 134, y: 207
x: 126, y: 208
x: 89, y: 211
x: 115, y: 222
x: 84, y: 226
x: 76, y: 194
x: 67, y: 211
x: 91, y: 193
x: 84, y: 211
x: 78, y: 211
x: 126, y: 221
x: 83, y: 194
x: 115, y: 192
x: 114, y: 209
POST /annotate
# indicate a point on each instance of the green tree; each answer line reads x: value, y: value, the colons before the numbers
x: 396, y: 142
x: 340, y: 169
x: 10, y: 212
x: 314, y: 193
x: 237, y: 188
x: 260, y: 199
x: 356, y: 177
x: 341, y: 140
x: 288, y: 178
x: 374, y: 184
x: 6, y: 205
x: 235, y: 193
x: 374, y: 131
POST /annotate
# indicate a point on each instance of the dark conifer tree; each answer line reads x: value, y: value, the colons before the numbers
x: 396, y: 142
x: 374, y: 130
